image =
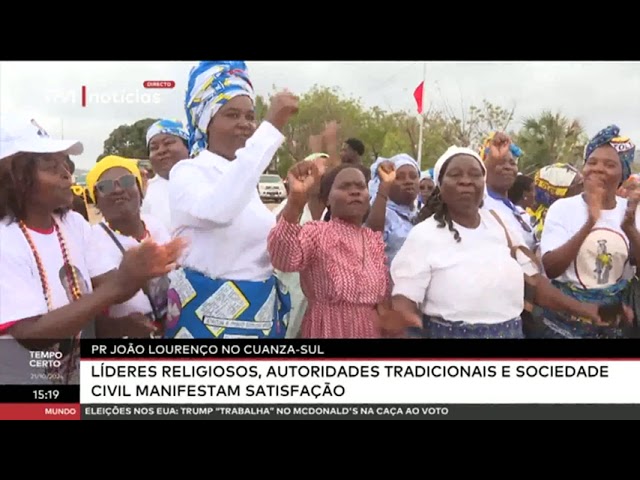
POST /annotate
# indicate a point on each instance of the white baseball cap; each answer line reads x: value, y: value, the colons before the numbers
x: 28, y: 136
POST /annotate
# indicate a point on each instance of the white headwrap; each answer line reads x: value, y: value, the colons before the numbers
x: 398, y: 161
x: 450, y: 153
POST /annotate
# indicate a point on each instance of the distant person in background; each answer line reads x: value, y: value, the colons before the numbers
x: 352, y: 151
x: 227, y: 287
x: 523, y: 195
x: 427, y: 186
x: 167, y: 141
x: 553, y: 182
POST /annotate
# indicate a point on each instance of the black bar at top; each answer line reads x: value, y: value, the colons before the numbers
x: 364, y: 349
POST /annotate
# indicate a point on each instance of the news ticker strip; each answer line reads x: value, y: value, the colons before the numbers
x: 362, y: 349
x: 359, y: 412
x: 25, y: 411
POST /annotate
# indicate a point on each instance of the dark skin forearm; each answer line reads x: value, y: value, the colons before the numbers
x: 41, y: 332
x: 378, y: 213
x: 557, y: 261
x: 548, y: 296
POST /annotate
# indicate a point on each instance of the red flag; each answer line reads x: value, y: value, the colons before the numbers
x: 417, y: 94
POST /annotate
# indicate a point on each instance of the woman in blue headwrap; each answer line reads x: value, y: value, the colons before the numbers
x: 427, y: 185
x: 167, y: 141
x: 227, y: 287
x: 588, y: 239
x: 393, y: 190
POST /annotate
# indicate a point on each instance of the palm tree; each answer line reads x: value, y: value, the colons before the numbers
x: 550, y: 138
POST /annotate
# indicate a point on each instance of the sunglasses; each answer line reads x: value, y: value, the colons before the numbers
x: 105, y: 187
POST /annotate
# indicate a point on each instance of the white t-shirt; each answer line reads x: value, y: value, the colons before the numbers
x: 603, y: 258
x: 474, y: 281
x: 21, y: 292
x: 156, y: 201
x: 512, y: 218
x: 157, y: 288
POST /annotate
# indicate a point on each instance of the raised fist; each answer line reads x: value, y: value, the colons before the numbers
x: 283, y: 106
x: 387, y: 172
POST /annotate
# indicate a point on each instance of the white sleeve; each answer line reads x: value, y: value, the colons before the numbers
x: 95, y: 247
x: 197, y: 199
x: 555, y: 232
x: 159, y: 233
x: 21, y: 293
x: 410, y: 269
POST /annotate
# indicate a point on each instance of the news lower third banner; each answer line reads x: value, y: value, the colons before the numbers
x: 423, y: 379
x: 334, y: 379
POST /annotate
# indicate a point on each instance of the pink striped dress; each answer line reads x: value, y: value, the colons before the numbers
x: 342, y: 273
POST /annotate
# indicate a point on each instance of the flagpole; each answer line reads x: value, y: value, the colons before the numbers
x: 424, y: 78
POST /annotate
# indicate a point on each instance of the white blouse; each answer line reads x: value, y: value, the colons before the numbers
x: 474, y: 281
x: 215, y: 205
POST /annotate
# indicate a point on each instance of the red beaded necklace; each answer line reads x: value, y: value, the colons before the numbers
x: 144, y: 225
x: 74, y: 284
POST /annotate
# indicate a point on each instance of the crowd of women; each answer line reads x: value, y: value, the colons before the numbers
x: 468, y: 249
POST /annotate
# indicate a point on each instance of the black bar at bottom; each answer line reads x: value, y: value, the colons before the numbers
x: 359, y: 412
x: 39, y: 393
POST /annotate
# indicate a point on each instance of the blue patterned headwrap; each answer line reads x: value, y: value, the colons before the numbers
x: 398, y: 161
x: 170, y: 127
x: 623, y: 145
x: 211, y: 85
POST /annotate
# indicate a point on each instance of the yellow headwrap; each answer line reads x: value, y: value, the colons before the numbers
x: 107, y: 163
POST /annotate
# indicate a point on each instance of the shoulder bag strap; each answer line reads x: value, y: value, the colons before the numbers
x: 122, y: 249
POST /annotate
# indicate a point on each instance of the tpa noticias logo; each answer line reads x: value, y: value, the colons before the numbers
x: 86, y: 96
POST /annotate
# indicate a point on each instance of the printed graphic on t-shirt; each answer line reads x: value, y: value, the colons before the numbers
x: 602, y: 258
x: 69, y: 348
x: 158, y: 288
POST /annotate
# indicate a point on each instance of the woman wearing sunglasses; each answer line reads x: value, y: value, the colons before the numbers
x: 55, y: 278
x: 115, y: 185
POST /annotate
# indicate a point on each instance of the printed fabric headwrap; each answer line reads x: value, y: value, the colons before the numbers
x: 486, y: 147
x: 449, y: 154
x: 169, y: 127
x: 623, y: 145
x: 211, y: 85
x: 398, y: 161
x: 551, y: 183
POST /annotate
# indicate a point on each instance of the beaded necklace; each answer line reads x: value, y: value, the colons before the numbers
x: 144, y: 225
x: 74, y: 284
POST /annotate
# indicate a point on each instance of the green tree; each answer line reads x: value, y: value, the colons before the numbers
x: 473, y: 126
x: 129, y: 140
x: 550, y: 138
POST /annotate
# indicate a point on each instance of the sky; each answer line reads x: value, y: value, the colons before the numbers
x: 596, y: 93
